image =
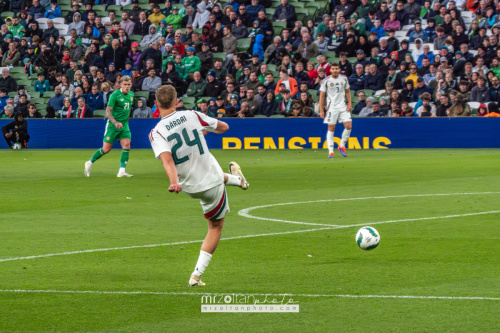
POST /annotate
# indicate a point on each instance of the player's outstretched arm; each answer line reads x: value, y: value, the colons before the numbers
x: 169, y: 166
x: 349, y: 99
x: 111, y: 118
x: 221, y: 127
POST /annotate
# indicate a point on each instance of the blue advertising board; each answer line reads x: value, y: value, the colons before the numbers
x: 276, y: 133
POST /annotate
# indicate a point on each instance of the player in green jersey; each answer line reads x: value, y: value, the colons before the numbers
x: 117, y: 112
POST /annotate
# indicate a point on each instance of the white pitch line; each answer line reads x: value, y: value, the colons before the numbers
x: 167, y: 293
x: 155, y: 245
x: 327, y: 227
x: 419, y: 219
x: 245, y: 212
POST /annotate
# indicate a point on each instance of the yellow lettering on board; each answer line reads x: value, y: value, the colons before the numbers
x: 366, y: 142
x: 337, y: 141
x: 269, y: 143
x: 250, y: 141
x: 281, y: 143
x: 292, y: 143
x: 231, y: 143
x: 314, y: 142
x: 298, y: 143
x: 381, y: 140
x: 353, y: 143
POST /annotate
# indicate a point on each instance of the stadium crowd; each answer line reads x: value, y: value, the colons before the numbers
x: 250, y: 58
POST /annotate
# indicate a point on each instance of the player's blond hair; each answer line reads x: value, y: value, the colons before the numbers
x: 125, y: 78
x: 166, y: 96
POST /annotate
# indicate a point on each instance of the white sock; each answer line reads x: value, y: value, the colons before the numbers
x: 122, y: 170
x: 202, y: 263
x: 233, y: 180
x: 329, y: 141
x: 345, y: 136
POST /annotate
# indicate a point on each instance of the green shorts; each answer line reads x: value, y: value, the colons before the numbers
x: 112, y: 133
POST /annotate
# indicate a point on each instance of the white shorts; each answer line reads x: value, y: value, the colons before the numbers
x: 213, y: 202
x: 335, y: 116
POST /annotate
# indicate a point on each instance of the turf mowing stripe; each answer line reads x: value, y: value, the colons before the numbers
x: 328, y: 227
x: 156, y: 245
x: 167, y: 293
x: 244, y: 213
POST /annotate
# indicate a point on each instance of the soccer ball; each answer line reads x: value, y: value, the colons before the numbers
x: 17, y: 145
x: 367, y: 238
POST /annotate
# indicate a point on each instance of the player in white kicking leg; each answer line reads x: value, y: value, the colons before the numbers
x: 178, y: 141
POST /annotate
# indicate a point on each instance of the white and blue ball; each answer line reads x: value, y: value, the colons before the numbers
x: 367, y: 238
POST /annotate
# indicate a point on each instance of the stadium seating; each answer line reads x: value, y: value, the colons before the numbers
x: 17, y: 70
x: 474, y: 105
x: 243, y: 45
x: 188, y: 100
x: 7, y: 14
x: 49, y: 94
x: 99, y: 8
x: 305, y: 10
x: 99, y: 113
x: 117, y: 8
x: 58, y: 20
x: 219, y: 55
x: 136, y: 38
x: 37, y: 100
x: 312, y: 10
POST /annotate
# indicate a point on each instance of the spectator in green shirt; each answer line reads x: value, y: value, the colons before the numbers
x: 42, y: 85
x: 191, y: 63
x: 197, y: 87
x: 323, y: 25
x: 175, y: 19
x: 363, y: 9
x: 179, y: 67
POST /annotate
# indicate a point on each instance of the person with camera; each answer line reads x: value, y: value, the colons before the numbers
x: 16, y: 132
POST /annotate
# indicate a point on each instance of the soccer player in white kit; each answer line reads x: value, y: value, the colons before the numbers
x: 336, y: 89
x: 178, y: 141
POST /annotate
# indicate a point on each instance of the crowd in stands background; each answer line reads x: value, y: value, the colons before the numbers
x: 419, y: 58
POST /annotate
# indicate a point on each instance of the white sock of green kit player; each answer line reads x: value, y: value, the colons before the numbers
x: 233, y: 180
x: 201, y: 265
x: 329, y: 141
x: 345, y: 136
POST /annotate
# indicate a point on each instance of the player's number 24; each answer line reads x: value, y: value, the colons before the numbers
x: 179, y: 142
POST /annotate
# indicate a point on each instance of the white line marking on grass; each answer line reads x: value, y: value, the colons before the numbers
x: 167, y: 293
x: 327, y: 227
x: 155, y: 245
x: 419, y: 219
x: 245, y: 212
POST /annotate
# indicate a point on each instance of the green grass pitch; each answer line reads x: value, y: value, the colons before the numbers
x: 431, y: 245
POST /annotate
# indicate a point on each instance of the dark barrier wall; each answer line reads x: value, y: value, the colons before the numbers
x: 261, y: 133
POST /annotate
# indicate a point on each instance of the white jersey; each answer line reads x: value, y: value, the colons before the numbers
x: 180, y: 133
x: 335, y: 92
